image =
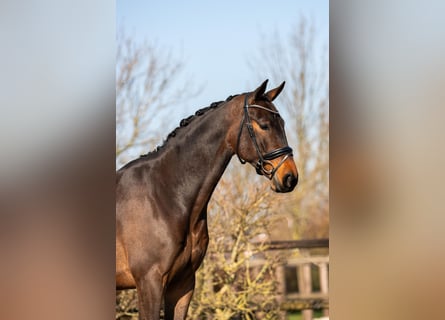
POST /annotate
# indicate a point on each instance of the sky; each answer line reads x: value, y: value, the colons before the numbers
x: 217, y: 38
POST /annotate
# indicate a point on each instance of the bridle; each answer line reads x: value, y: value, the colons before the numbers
x: 263, y: 159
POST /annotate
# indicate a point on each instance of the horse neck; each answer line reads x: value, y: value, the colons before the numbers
x: 200, y: 154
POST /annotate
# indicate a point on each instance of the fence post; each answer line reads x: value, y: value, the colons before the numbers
x: 305, y: 284
x: 281, y: 288
x: 323, y: 271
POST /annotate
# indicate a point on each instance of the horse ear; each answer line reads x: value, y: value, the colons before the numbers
x: 260, y: 90
x: 272, y: 94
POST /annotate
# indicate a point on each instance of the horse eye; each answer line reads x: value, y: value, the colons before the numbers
x: 264, y: 126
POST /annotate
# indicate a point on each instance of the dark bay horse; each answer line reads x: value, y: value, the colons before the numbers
x: 162, y: 197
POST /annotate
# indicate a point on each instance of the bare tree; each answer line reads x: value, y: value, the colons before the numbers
x: 243, y: 210
x: 230, y: 283
x: 302, y: 60
x: 147, y: 84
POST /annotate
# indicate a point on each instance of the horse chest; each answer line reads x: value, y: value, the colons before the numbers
x: 200, y: 241
x: 193, y: 252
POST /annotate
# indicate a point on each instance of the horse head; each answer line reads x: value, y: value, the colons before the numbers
x: 261, y: 139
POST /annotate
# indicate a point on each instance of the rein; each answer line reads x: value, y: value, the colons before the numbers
x: 263, y: 159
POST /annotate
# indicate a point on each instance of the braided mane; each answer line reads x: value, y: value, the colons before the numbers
x: 186, y: 121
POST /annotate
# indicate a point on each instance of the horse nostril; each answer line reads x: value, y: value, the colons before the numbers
x: 290, y: 180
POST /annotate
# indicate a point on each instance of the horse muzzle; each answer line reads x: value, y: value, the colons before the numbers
x: 287, y: 184
x: 285, y: 178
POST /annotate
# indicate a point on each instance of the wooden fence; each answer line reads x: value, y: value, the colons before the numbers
x: 310, y: 290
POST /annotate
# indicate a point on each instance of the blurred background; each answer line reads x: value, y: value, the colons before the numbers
x: 58, y: 161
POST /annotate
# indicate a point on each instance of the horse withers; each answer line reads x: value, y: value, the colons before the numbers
x: 162, y: 197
